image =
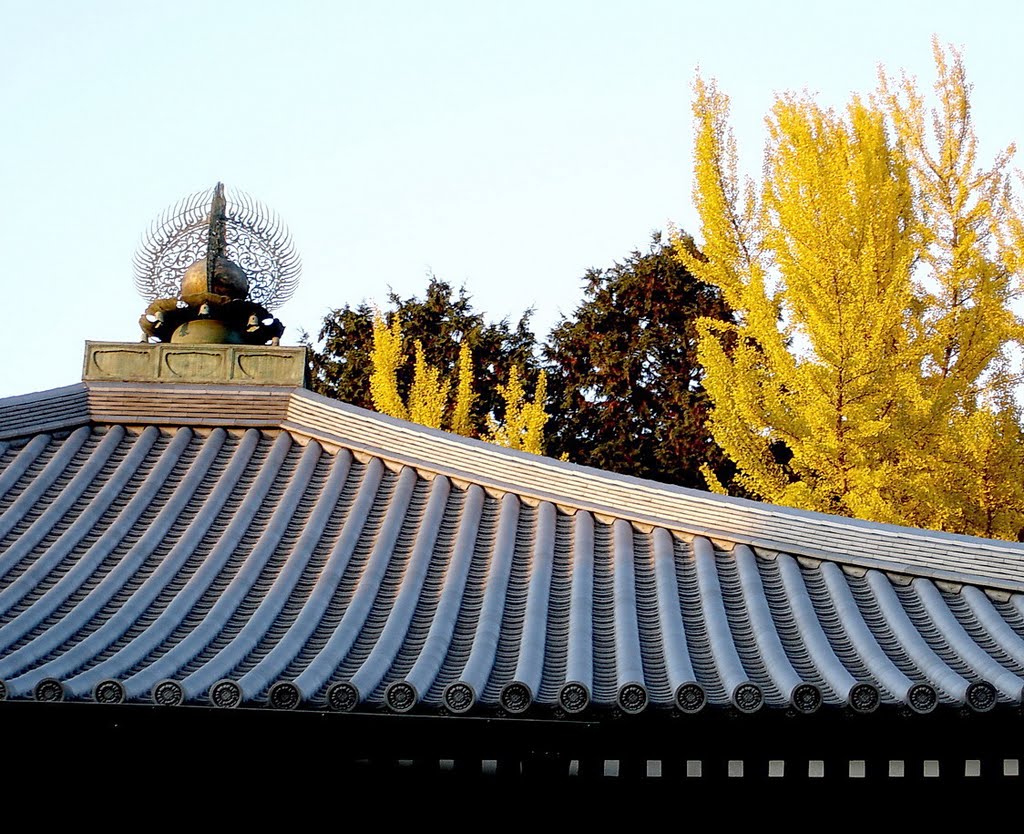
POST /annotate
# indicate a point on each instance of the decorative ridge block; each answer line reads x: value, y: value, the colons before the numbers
x: 203, y: 363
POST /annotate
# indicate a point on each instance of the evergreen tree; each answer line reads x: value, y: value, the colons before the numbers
x: 626, y: 384
x: 443, y: 321
x: 872, y: 273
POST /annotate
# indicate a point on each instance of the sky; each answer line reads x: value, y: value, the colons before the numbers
x: 506, y: 147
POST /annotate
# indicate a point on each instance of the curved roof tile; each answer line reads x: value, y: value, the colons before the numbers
x: 157, y: 546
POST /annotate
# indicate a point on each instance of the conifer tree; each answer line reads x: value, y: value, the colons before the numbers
x: 872, y: 272
x: 451, y: 334
x: 626, y: 385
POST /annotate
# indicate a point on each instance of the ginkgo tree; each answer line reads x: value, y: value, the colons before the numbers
x: 522, y: 426
x: 429, y: 401
x: 872, y: 271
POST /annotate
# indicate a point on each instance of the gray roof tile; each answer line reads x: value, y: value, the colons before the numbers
x: 166, y: 543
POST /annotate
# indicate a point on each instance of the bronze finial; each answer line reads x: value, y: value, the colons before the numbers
x: 212, y: 266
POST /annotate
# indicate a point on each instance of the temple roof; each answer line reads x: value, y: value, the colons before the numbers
x: 264, y: 546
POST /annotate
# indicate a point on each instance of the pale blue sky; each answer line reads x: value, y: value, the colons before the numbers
x: 505, y: 146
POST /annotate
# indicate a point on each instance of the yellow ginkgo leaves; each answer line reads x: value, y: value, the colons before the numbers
x: 872, y: 271
x: 429, y: 401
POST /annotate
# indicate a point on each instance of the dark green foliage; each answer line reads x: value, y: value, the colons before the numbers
x: 624, y: 389
x: 624, y: 380
x: 341, y: 368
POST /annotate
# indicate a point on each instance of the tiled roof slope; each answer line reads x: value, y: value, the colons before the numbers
x: 271, y: 547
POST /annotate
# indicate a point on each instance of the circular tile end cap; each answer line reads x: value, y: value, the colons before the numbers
x: 401, y: 696
x: 284, y: 695
x: 226, y: 694
x: 343, y: 697
x: 632, y: 698
x: 168, y: 693
x: 109, y: 691
x: 459, y: 697
x: 691, y: 697
x: 747, y: 697
x: 806, y: 698
x: 864, y: 698
x: 516, y: 697
x: 3, y: 690
x: 49, y: 689
x: 922, y: 698
x: 574, y: 697
x: 981, y: 696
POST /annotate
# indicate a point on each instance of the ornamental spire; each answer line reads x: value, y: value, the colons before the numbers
x: 212, y: 267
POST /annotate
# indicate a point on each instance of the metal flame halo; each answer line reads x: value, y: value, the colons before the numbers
x: 255, y: 239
